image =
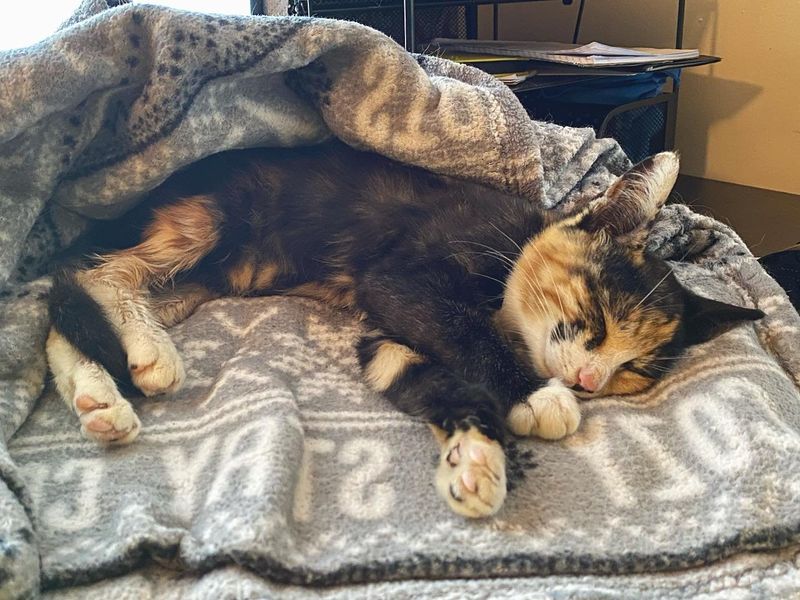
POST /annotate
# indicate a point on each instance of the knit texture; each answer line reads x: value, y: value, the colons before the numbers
x: 275, y: 467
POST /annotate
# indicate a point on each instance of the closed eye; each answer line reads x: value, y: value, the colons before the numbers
x: 598, y: 331
x: 637, y: 367
x: 567, y: 331
x: 599, y: 335
x: 595, y: 341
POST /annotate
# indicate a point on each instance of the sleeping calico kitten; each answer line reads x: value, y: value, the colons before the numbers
x: 486, y: 314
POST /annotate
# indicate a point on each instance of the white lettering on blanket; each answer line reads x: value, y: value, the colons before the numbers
x: 364, y: 493
x: 714, y: 434
x: 681, y: 482
x: 240, y: 459
x: 720, y: 439
x: 184, y: 468
x: 361, y: 495
x: 699, y: 434
x: 79, y: 480
x: 597, y: 455
x: 304, y: 490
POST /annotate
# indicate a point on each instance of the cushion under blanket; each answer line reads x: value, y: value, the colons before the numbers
x: 275, y: 465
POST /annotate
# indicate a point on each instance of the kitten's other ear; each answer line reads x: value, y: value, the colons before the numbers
x: 706, y: 319
x: 630, y: 205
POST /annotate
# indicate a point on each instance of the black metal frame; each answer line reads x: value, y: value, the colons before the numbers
x: 356, y: 6
x: 670, y: 98
x: 257, y: 8
x: 578, y: 20
x: 472, y: 15
x: 408, y: 7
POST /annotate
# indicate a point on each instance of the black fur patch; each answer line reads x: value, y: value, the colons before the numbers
x: 81, y: 320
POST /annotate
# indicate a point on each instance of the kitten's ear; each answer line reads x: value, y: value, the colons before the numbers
x: 706, y: 319
x: 630, y: 205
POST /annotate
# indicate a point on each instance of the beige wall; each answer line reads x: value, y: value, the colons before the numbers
x: 739, y: 120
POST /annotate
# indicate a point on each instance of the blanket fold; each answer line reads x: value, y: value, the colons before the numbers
x: 275, y: 457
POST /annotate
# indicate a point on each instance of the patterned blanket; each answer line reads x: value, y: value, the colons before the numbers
x: 275, y: 468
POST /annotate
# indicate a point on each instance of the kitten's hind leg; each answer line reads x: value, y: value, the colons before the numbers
x: 471, y: 474
x: 154, y: 364
x: 87, y: 388
x: 174, y: 305
x: 178, y: 237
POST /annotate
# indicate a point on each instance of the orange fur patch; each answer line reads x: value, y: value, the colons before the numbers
x: 240, y: 276
x: 177, y: 238
x: 265, y: 276
x: 338, y: 291
x: 542, y: 281
x: 624, y: 382
x: 247, y: 276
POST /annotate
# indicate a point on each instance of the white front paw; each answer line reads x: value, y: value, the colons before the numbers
x: 154, y: 362
x: 472, y: 474
x: 550, y: 412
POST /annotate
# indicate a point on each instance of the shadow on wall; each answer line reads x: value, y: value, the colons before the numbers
x: 712, y: 100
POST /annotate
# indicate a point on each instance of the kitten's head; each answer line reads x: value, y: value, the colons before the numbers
x: 592, y: 309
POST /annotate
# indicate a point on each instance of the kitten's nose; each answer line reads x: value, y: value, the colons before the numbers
x: 588, y: 379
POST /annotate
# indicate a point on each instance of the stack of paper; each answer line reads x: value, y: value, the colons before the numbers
x: 594, y: 54
x: 514, y: 78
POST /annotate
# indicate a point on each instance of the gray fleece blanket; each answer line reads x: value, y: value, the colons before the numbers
x: 275, y: 469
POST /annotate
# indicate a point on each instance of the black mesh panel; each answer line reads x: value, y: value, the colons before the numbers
x: 640, y: 131
x: 429, y: 22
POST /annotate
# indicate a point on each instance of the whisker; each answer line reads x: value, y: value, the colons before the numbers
x: 660, y: 369
x: 493, y: 250
x: 541, y: 307
x: 496, y: 256
x: 508, y: 237
x: 538, y: 294
x: 488, y: 277
x: 662, y: 280
x: 669, y: 272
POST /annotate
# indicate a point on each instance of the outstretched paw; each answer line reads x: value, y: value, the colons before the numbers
x: 550, y: 412
x: 106, y: 417
x: 472, y: 474
x: 154, y: 363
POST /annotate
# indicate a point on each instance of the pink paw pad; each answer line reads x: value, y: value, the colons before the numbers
x: 86, y: 403
x: 99, y: 425
x: 469, y: 481
x: 454, y: 456
x: 477, y: 455
x: 139, y: 369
